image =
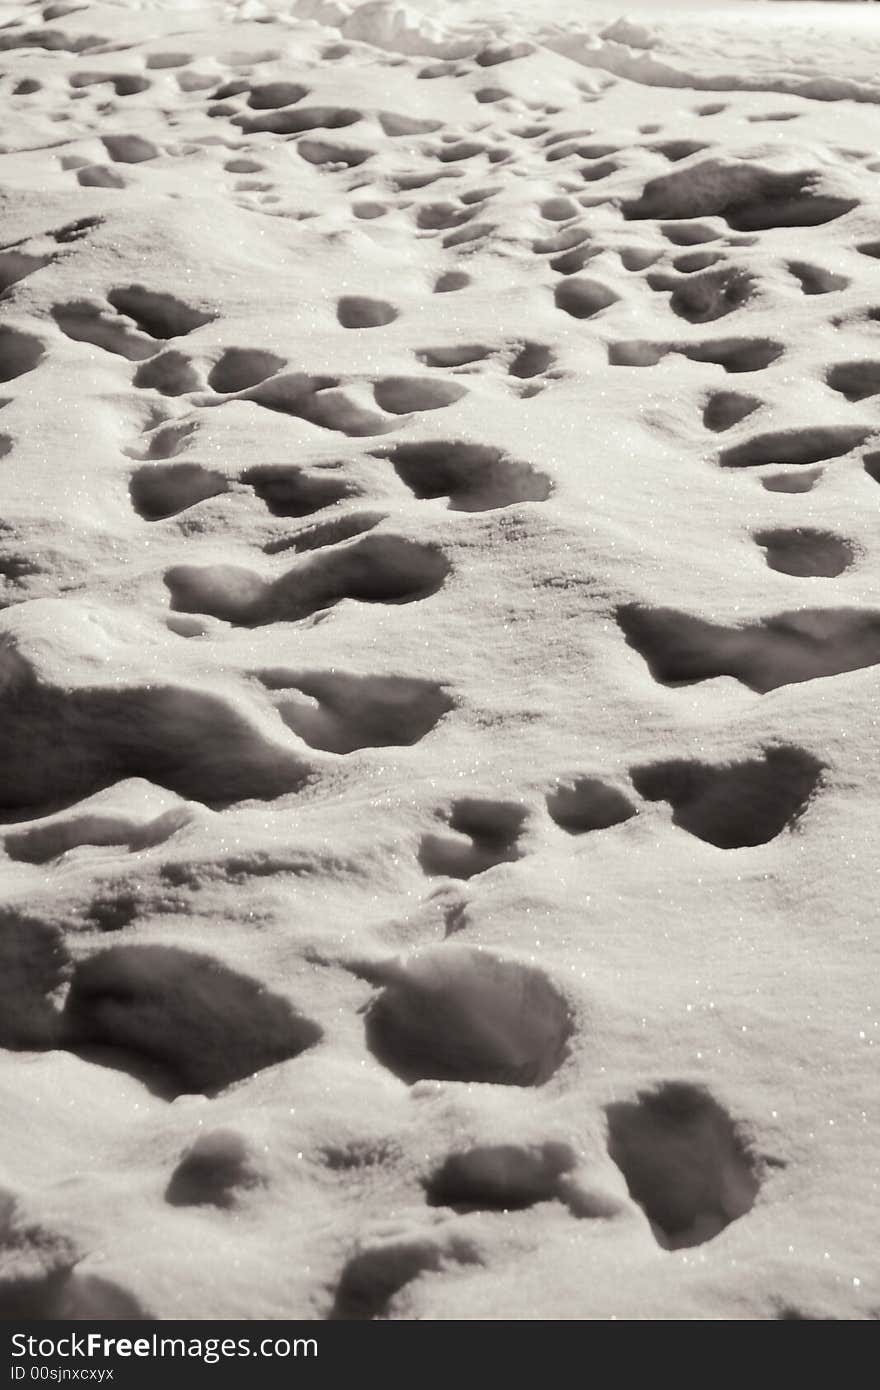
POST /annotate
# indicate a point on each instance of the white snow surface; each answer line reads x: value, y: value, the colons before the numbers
x: 439, y: 554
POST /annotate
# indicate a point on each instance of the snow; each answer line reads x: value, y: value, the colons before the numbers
x: 438, y: 564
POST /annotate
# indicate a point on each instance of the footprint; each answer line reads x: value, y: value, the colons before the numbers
x: 394, y: 124
x: 461, y: 355
x: 689, y: 234
x: 401, y: 394
x: 582, y: 298
x: 158, y: 314
x: 296, y: 121
x: 358, y: 311
x: 749, y: 196
x: 215, y: 1171
x: 813, y: 444
x: 182, y: 1022
x: 804, y: 551
x: 198, y: 742
x: 785, y: 649
x: 19, y: 352
x: 674, y: 150
x: 171, y: 373
x: 163, y: 440
x: 481, y: 834
x: 733, y: 354
x: 450, y: 281
x: 692, y: 261
x: 100, y: 822
x: 331, y: 156
x: 585, y: 803
x: 324, y: 533
x: 85, y: 321
x: 814, y: 279
x: 458, y: 1013
x: 294, y: 491
x: 734, y: 805
x: 125, y: 84
x: 129, y: 149
x: 384, y: 1265
x: 99, y: 176
x: 474, y: 477
x: 268, y: 96
x: 160, y: 491
x: 238, y: 369
x: 35, y: 967
x: 374, y: 569
x: 18, y: 265
x: 709, y: 296
x: 340, y: 713
x: 800, y: 480
x: 724, y: 409
x: 855, y: 380
x: 501, y: 1177
x: 684, y: 1161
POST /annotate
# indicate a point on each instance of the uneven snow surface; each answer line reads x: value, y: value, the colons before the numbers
x: 439, y: 554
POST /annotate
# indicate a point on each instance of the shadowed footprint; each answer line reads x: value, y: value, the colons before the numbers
x: 749, y: 196
x: 160, y: 315
x: 456, y: 1013
x: 87, y: 322
x: 733, y: 354
x: 585, y: 803
x: 814, y: 279
x: 474, y: 477
x: 215, y: 1171
x: 129, y: 149
x: 268, y: 96
x: 792, y: 480
x: 160, y: 491
x: 181, y: 1021
x: 382, y: 1267
x: 708, y: 296
x: 803, y: 551
x: 295, y: 491
x: 237, y: 369
x: 582, y: 298
x: 855, y: 380
x: 810, y: 445
x: 781, y: 650
x: 724, y: 409
x: 171, y: 373
x: 401, y: 394
x: 481, y: 834
x: 684, y: 1162
x: 500, y: 1177
x: 357, y: 311
x: 19, y: 352
x: 202, y: 743
x: 373, y: 569
x: 738, y: 804
x: 340, y: 713
x: 18, y: 265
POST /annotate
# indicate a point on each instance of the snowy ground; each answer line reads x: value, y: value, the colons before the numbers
x: 439, y: 552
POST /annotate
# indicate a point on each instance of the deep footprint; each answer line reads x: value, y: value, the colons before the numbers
x: 480, y: 834
x: 734, y: 805
x: 184, y: 1023
x: 375, y: 569
x: 684, y: 1162
x: 340, y: 713
x: 802, y: 645
x: 455, y: 1013
x: 474, y: 477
